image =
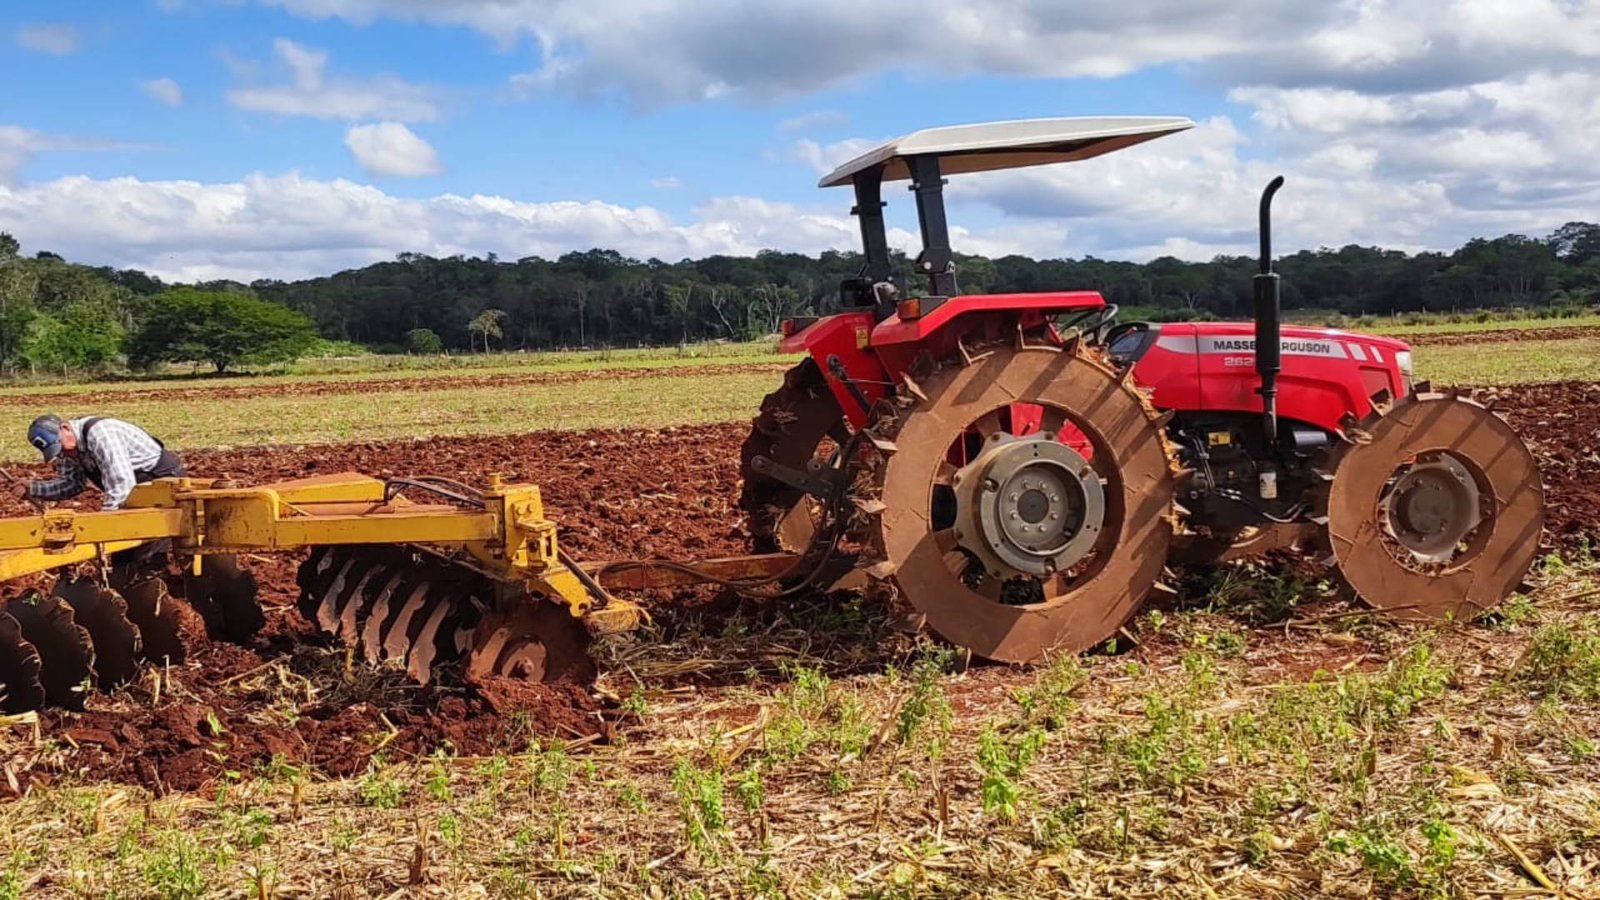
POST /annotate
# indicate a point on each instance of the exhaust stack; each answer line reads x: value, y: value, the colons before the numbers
x: 1269, y: 355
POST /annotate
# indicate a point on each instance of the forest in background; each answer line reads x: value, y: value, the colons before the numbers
x: 56, y: 315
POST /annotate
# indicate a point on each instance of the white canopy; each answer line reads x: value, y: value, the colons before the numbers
x: 1006, y: 145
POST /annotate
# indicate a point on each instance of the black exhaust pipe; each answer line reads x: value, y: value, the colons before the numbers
x: 1269, y: 350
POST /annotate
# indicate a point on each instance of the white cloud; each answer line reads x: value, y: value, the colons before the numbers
x: 655, y: 52
x: 1191, y: 195
x: 1194, y: 195
x: 667, y: 183
x: 18, y: 146
x: 311, y: 92
x: 164, y: 90
x: 55, y: 39
x: 821, y: 118
x: 290, y: 226
x: 1408, y: 123
x: 390, y: 148
x: 661, y: 52
x: 824, y: 158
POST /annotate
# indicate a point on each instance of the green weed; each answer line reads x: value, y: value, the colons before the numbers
x: 1003, y: 764
x: 925, y: 714
x: 11, y: 877
x: 750, y: 790
x: 378, y: 788
x: 1050, y: 701
x: 700, y: 806
x: 1564, y: 661
x: 173, y: 867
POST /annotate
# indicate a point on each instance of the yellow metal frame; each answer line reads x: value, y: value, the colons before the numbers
x: 509, y: 538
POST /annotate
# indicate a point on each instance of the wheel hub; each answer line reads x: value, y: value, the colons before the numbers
x: 1432, y: 506
x: 1028, y: 506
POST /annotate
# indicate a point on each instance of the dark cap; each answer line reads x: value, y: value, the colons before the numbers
x: 45, y: 436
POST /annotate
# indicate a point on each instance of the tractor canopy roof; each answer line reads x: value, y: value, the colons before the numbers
x: 987, y: 146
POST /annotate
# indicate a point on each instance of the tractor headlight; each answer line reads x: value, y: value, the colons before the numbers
x: 1402, y: 361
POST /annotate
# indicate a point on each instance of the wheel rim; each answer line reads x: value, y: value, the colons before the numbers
x: 1432, y: 508
x: 1027, y: 506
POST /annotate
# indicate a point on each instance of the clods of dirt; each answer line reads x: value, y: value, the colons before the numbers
x: 616, y: 494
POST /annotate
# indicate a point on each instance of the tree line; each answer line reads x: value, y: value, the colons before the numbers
x: 57, y: 315
x: 60, y: 318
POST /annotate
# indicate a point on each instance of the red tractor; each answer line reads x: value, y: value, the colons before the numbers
x: 1021, y: 468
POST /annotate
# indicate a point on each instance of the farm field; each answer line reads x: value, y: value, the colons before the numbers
x: 515, y: 393
x: 1254, y: 736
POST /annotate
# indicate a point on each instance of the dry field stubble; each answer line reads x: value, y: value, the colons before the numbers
x: 1258, y: 737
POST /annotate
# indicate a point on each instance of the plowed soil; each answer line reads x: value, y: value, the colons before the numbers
x: 617, y: 495
x: 1510, y: 335
x: 1562, y: 422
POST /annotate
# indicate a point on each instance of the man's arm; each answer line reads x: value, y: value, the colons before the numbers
x: 67, y: 483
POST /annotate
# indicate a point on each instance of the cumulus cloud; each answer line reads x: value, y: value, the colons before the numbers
x: 1193, y: 195
x: 54, y: 39
x: 163, y: 90
x: 824, y: 158
x: 656, y: 53
x: 390, y: 148
x: 1408, y: 123
x: 290, y: 226
x: 311, y: 92
x: 662, y: 52
x: 18, y: 146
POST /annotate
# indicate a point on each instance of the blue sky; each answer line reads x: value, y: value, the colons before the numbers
x: 284, y: 138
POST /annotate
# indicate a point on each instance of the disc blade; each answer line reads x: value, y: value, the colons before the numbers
x: 230, y: 592
x: 169, y: 628
x: 20, y: 689
x: 104, y: 614
x: 533, y: 640
x: 66, y: 656
x: 380, y: 616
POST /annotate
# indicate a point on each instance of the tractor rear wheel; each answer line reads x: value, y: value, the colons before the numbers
x: 1026, y: 505
x: 801, y: 427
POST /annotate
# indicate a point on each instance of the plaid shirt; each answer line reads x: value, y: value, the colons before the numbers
x: 114, y: 453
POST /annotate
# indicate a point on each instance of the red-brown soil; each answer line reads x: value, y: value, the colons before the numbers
x: 1510, y: 335
x: 1562, y: 422
x: 617, y: 494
